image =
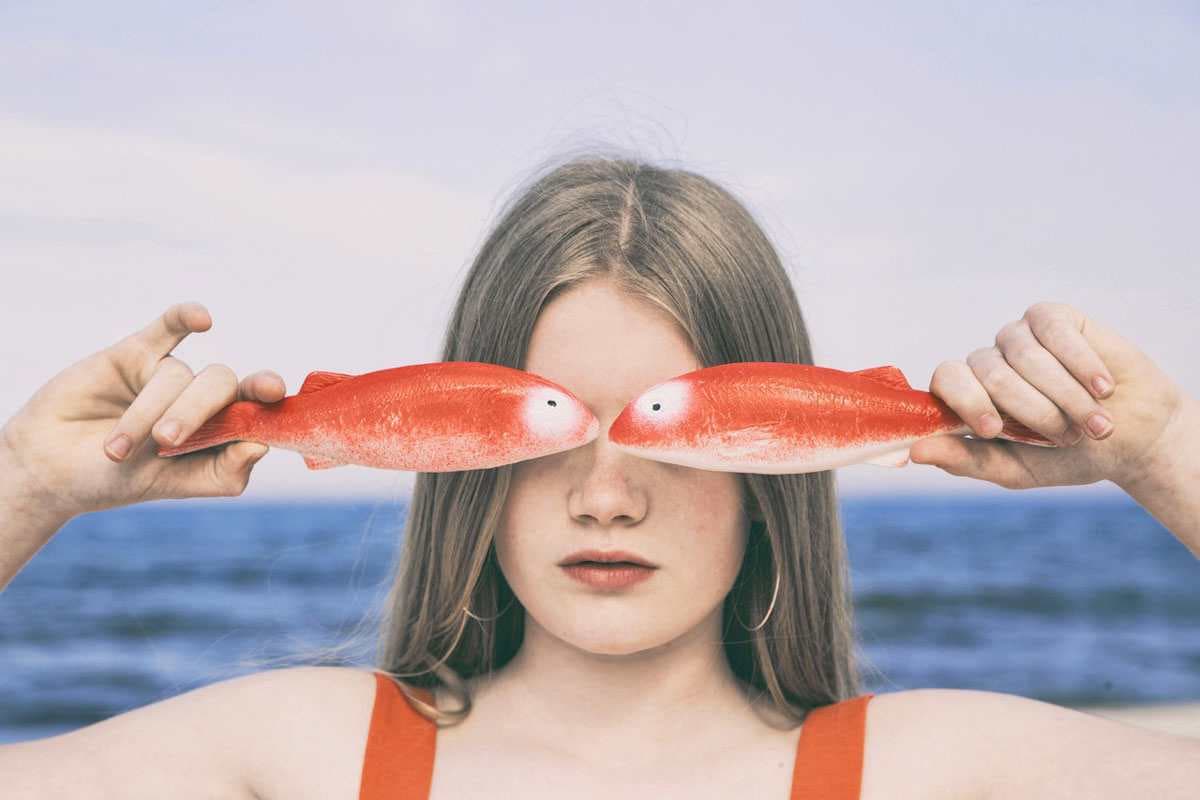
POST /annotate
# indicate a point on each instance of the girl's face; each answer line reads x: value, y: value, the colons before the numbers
x: 607, y: 348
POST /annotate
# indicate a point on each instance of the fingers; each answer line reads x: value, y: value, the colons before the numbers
x: 225, y: 473
x: 1048, y: 371
x: 264, y: 386
x: 215, y: 387
x: 1061, y: 330
x: 1008, y: 464
x: 166, y: 332
x: 174, y: 403
x: 138, y: 354
x: 989, y: 461
x: 956, y: 384
x: 169, y: 380
x: 1012, y: 392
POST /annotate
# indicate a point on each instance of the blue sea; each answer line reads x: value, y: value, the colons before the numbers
x: 1073, y: 600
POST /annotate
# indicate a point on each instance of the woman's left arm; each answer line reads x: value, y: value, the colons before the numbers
x: 1169, y: 486
x: 1042, y: 372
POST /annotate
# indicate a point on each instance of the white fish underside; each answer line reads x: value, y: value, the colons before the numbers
x: 750, y: 456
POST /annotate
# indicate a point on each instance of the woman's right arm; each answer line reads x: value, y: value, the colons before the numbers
x: 83, y: 442
x: 297, y: 733
x: 57, y: 461
x: 26, y: 523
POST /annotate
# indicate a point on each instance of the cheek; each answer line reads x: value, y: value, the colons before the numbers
x: 722, y: 531
x: 516, y: 548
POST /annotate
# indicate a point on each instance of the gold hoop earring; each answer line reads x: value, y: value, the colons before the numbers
x: 770, y: 608
x: 467, y: 611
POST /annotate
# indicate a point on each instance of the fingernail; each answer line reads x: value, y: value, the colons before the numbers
x: 170, y: 430
x: 1103, y: 387
x: 1098, y: 425
x: 1074, y: 435
x: 119, y: 446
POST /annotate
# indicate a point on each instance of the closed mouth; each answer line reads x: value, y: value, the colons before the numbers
x: 602, y: 558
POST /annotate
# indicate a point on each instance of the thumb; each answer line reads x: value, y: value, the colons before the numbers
x: 983, y: 459
x: 253, y: 451
x: 233, y: 465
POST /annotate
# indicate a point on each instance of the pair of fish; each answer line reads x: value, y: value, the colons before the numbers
x: 752, y: 417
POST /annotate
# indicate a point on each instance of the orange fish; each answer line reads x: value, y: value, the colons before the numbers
x: 439, y: 417
x: 775, y: 418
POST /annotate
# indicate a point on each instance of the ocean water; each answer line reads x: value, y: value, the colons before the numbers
x: 1072, y: 600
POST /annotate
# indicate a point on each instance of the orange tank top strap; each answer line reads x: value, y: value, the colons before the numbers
x: 401, y: 744
x: 829, y: 756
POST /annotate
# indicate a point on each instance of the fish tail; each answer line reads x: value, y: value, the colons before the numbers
x: 228, y: 425
x: 1016, y: 432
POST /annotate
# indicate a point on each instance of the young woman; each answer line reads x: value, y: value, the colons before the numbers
x: 730, y: 671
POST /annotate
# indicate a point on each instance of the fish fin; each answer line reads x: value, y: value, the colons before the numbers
x: 227, y: 425
x: 316, y: 381
x: 892, y: 458
x: 888, y: 376
x: 1017, y: 432
x: 321, y: 462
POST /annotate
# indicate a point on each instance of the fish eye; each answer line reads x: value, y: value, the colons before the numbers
x: 665, y: 402
x: 549, y: 413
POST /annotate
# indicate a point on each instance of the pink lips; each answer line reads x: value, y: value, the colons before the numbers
x: 605, y: 556
x: 617, y: 576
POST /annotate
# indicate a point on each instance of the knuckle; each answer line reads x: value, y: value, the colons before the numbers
x: 949, y: 367
x: 979, y: 359
x: 138, y: 351
x: 1037, y: 310
x: 944, y: 372
x: 1020, y: 353
x: 171, y: 366
x: 1015, y: 335
x: 1007, y: 332
x: 1059, y: 335
x: 221, y: 373
x: 1059, y: 319
x: 994, y: 379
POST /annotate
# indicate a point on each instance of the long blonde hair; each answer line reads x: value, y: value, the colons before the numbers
x: 680, y: 241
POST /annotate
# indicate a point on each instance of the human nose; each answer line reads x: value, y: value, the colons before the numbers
x: 608, y: 485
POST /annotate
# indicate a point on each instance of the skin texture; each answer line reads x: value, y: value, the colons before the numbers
x: 633, y: 685
x: 1041, y: 370
x: 606, y: 674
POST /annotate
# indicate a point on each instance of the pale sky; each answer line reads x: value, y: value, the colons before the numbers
x: 321, y: 177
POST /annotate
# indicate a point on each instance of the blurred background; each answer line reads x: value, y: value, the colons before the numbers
x: 320, y: 179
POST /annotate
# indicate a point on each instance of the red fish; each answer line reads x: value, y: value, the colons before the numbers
x: 775, y: 418
x: 439, y: 417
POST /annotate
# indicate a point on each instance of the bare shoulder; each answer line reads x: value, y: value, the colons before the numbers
x: 980, y: 744
x: 316, y: 721
x: 297, y: 732
x: 910, y: 748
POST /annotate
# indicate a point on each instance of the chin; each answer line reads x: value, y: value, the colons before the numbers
x: 616, y: 645
x: 621, y: 633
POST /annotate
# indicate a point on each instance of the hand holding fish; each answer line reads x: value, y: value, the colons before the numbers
x: 1042, y: 371
x: 81, y: 442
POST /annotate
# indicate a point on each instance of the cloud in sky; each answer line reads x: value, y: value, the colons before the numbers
x: 321, y: 180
